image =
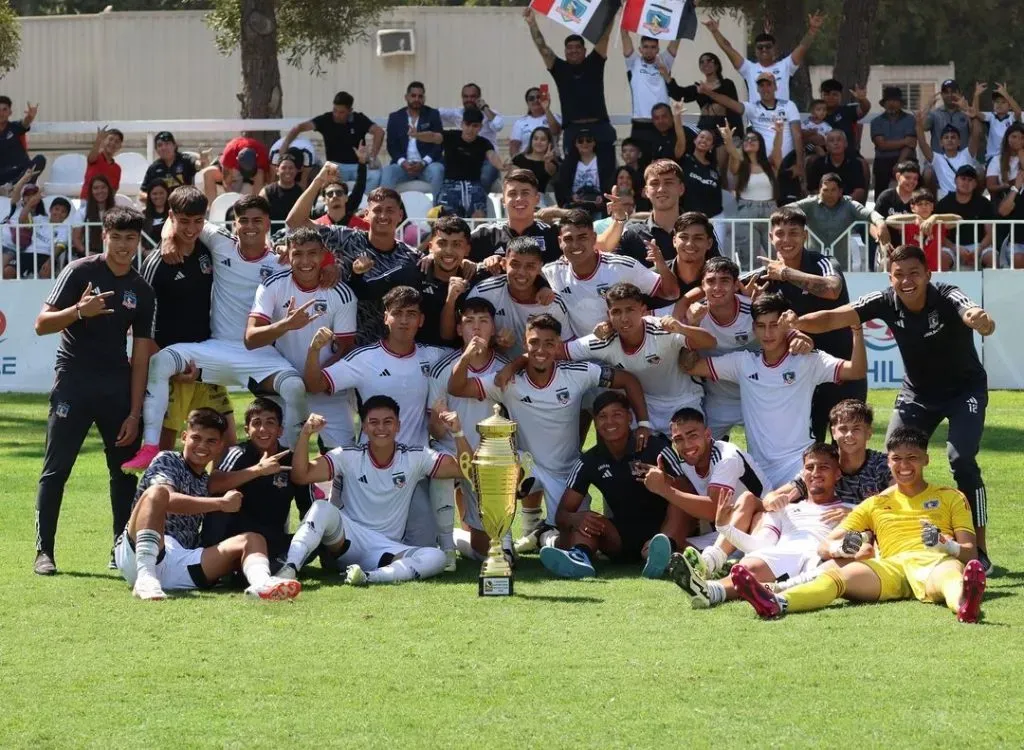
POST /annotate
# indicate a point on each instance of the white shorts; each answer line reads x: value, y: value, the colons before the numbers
x: 366, y: 546
x: 230, y: 363
x: 779, y: 473
x: 337, y: 410
x: 659, y: 413
x: 789, y: 557
x: 553, y: 484
x: 721, y: 416
x: 173, y: 568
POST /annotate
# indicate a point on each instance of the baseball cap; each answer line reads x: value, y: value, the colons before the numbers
x: 247, y: 162
x: 164, y: 136
x: 30, y: 189
x: 951, y: 84
x: 967, y: 171
x: 765, y: 76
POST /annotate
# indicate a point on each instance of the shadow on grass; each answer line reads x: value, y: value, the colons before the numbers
x: 560, y: 599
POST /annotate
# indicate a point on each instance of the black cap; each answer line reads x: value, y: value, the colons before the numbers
x: 247, y: 162
x: 164, y: 136
x: 951, y: 84
x: 889, y: 93
x: 967, y: 171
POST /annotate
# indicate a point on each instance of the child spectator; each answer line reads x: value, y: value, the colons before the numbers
x: 815, y: 128
x: 999, y: 119
x: 923, y: 228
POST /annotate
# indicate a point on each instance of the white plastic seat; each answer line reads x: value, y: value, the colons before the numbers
x: 120, y: 199
x: 133, y: 170
x: 221, y: 204
x: 495, y: 206
x: 67, y: 173
x: 414, y: 186
x: 5, y: 207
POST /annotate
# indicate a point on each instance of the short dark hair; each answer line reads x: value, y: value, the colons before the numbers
x: 6, y: 100
x: 472, y: 85
x: 475, y: 305
x: 830, y: 84
x: 607, y: 398
x: 574, y: 38
x: 452, y: 225
x: 720, y: 264
x: 907, y: 166
x: 822, y: 449
x: 623, y: 290
x: 908, y: 252
x: 115, y: 131
x: 851, y: 410
x: 524, y: 246
x: 415, y: 85
x: 788, y: 215
x: 660, y: 105
x: 577, y: 218
x: 344, y: 99
x: 402, y: 296
x: 472, y: 116
x: 206, y: 418
x: 544, y: 322
x: 188, y: 200
x: 921, y: 195
x: 249, y: 202
x: 815, y: 102
x: 377, y: 402
x: 302, y: 235
x: 381, y: 194
x: 291, y: 156
x: 913, y: 436
x: 693, y: 219
x: 123, y: 219
x: 261, y: 403
x: 648, y: 38
x: 767, y: 304
x: 764, y: 37
x: 832, y: 177
x: 631, y: 142
x: 688, y: 414
x: 522, y: 175
x: 60, y: 200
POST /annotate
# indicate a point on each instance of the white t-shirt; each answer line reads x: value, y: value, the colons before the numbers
x: 802, y: 522
x: 783, y: 70
x: 374, y: 370
x: 337, y: 308
x: 523, y: 128
x: 996, y: 130
x: 586, y: 176
x: 548, y: 415
x: 46, y: 236
x: 994, y: 168
x: 512, y: 315
x: 471, y: 411
x: 646, y: 84
x: 730, y: 468
x: 730, y: 335
x: 945, y: 170
x: 584, y: 297
x: 655, y: 363
x: 412, y: 151
x: 301, y: 144
x: 235, y: 280
x: 378, y: 497
x: 762, y: 119
x: 776, y: 403
x: 821, y: 128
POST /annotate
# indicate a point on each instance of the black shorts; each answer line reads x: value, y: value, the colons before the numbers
x: 634, y: 535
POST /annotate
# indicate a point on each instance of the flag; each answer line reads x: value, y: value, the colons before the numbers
x: 660, y: 19
x: 588, y: 18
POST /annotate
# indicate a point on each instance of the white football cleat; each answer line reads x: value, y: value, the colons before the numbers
x: 354, y: 576
x: 147, y: 587
x: 451, y: 560
x: 275, y: 589
x: 288, y: 572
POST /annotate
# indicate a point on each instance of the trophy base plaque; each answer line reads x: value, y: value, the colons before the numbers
x: 496, y: 585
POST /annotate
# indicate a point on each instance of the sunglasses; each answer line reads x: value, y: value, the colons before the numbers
x: 334, y: 193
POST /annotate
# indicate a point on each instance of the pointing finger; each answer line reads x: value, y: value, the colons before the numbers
x: 278, y: 456
x: 104, y: 295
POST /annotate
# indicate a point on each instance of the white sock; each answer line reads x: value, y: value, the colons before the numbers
x: 532, y: 518
x: 805, y: 577
x: 293, y: 391
x: 464, y: 545
x: 713, y: 557
x: 716, y: 593
x: 321, y: 524
x: 147, y: 548
x: 256, y: 569
x: 421, y: 562
x: 163, y: 366
x: 442, y: 500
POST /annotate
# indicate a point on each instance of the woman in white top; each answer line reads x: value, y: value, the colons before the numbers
x: 756, y: 187
x: 1002, y: 170
x: 538, y: 115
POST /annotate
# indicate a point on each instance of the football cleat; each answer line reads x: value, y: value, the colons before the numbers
x: 683, y: 572
x: 985, y: 562
x: 534, y: 540
x: 288, y: 572
x: 142, y: 459
x: 573, y: 563
x: 275, y: 589
x: 354, y: 576
x: 147, y: 587
x: 659, y: 551
x: 974, y: 590
x: 764, y: 602
x: 44, y: 564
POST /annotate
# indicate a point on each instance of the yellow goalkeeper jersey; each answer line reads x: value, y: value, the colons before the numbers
x: 895, y: 518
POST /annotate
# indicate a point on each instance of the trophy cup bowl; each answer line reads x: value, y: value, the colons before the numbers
x: 494, y: 471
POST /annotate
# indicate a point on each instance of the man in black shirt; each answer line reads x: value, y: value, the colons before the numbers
x: 171, y: 167
x: 839, y: 159
x: 284, y: 191
x: 934, y: 326
x: 465, y: 153
x: 637, y: 524
x: 13, y: 158
x: 844, y: 117
x: 971, y: 243
x: 93, y: 304
x: 520, y: 196
x: 896, y: 200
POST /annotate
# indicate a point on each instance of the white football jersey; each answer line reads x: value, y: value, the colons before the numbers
x: 337, y: 308
x: 655, y: 364
x: 762, y: 119
x: 235, y: 280
x: 730, y: 468
x: 776, y: 403
x: 730, y: 335
x: 471, y: 411
x: 802, y: 521
x: 374, y: 370
x: 378, y: 497
x: 548, y: 415
x: 512, y: 315
x: 783, y: 70
x: 584, y: 296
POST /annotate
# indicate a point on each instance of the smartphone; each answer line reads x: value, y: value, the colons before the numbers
x: 544, y: 90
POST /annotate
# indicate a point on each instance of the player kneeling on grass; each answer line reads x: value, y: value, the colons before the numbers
x: 926, y: 547
x: 638, y: 524
x: 785, y: 543
x: 379, y: 481
x: 159, y: 548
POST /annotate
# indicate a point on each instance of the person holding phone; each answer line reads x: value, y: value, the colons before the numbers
x: 538, y: 115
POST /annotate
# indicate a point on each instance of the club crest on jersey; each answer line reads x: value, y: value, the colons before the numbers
x: 562, y: 395
x: 742, y: 338
x: 931, y: 504
x: 425, y: 368
x: 653, y: 359
x: 602, y: 289
x: 281, y: 480
x: 398, y: 479
x: 933, y: 320
x: 205, y: 265
x: 789, y: 377
x: 62, y: 409
x: 129, y: 300
x: 265, y: 273
x: 320, y: 307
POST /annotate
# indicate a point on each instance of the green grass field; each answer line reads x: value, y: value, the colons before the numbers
x: 611, y: 662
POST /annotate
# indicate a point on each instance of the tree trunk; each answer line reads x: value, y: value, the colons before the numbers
x: 789, y: 23
x: 261, y: 76
x: 856, y: 35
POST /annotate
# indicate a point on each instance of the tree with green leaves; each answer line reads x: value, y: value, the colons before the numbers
x: 10, y: 38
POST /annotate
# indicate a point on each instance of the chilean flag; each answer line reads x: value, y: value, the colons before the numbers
x: 660, y: 19
x: 588, y: 18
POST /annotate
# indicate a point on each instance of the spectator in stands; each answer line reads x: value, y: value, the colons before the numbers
x: 341, y: 206
x: 540, y: 157
x: 584, y: 177
x: 767, y: 59
x: 304, y: 153
x: 712, y: 114
x: 154, y: 208
x: 814, y: 129
x: 951, y: 113
x: 667, y: 137
x: 414, y: 143
x: 243, y: 167
x: 466, y: 152
x: 171, y: 167
x: 702, y: 179
x: 100, y: 159
x: 579, y: 79
x: 538, y: 115
x: 894, y: 133
x: 283, y: 192
x: 925, y: 229
x: 952, y: 154
x: 845, y: 116
x: 839, y: 159
x: 896, y: 200
x: 646, y: 85
x: 1002, y: 172
x: 491, y: 126
x: 48, y: 233
x: 962, y: 243
x: 87, y: 223
x: 343, y: 129
x: 1011, y: 238
x: 757, y: 193
x: 14, y: 160
x: 831, y: 213
x: 1005, y: 112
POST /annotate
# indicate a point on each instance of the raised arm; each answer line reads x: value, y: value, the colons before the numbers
x: 860, y: 95
x: 922, y: 140
x: 268, y: 466
x: 305, y: 471
x: 627, y: 43
x: 735, y: 155
x: 814, y: 23
x: 601, y: 47
x: 1001, y: 89
x: 291, y: 135
x: 856, y: 367
x: 678, y: 110
x: 460, y: 384
x: 734, y: 57
x: 299, y: 215
x: 538, y: 39
x: 726, y: 101
x: 824, y: 321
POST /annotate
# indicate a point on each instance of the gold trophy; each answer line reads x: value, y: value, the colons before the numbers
x: 494, y: 472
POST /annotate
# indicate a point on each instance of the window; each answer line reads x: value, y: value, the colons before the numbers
x: 914, y: 94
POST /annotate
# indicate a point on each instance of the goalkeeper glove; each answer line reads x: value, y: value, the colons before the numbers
x: 935, y: 539
x: 847, y: 546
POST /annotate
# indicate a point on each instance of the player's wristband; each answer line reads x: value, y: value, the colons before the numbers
x: 78, y: 309
x: 835, y: 549
x: 951, y: 547
x: 458, y: 434
x: 646, y: 424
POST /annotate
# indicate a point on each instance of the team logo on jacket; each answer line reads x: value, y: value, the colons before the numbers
x: 931, y: 504
x: 265, y: 273
x: 281, y: 480
x: 129, y: 300
x: 562, y: 394
x: 425, y: 368
x: 789, y: 377
x: 398, y: 479
x: 205, y: 265
x: 602, y: 289
x: 62, y: 409
x: 653, y: 359
x: 742, y: 338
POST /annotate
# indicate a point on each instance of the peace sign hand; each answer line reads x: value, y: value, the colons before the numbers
x: 296, y: 319
x: 90, y: 305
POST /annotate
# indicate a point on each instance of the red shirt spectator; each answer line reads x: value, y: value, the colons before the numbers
x: 100, y: 160
x: 349, y: 221
x: 229, y: 157
x: 932, y: 245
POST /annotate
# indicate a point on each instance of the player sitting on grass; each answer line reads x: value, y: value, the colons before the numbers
x: 379, y: 480
x: 159, y: 548
x: 785, y: 543
x: 926, y: 547
x: 638, y: 525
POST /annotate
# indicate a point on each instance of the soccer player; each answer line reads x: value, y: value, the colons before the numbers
x: 183, y: 311
x: 93, y: 303
x: 637, y: 525
x: 926, y: 547
x: 241, y: 262
x: 776, y: 387
x: 582, y: 275
x: 545, y: 397
x: 647, y: 347
x: 379, y: 479
x: 159, y: 549
x: 786, y: 541
x: 521, y: 196
x: 709, y: 468
x: 284, y: 315
x: 934, y: 326
x: 514, y: 295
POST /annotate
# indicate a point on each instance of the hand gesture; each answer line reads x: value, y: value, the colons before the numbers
x: 297, y: 318
x: 101, y: 134
x: 711, y: 24
x: 726, y: 131
x: 678, y: 109
x: 833, y: 516
x: 980, y: 87
x: 476, y: 347
x: 31, y: 111
x: 231, y: 502
x: 270, y: 465
x: 362, y: 264
x: 545, y: 296
x: 329, y: 275
x: 788, y: 320
x: 494, y: 265
x: 979, y: 320
x: 695, y: 313
x: 800, y: 342
x: 642, y: 435
x: 603, y: 330
x: 669, y: 323
x: 362, y: 153
x: 321, y: 338
x: 703, y: 88
x: 778, y: 500
x: 450, y: 420
x: 528, y: 15
x: 815, y: 21
x: 657, y: 479
x: 778, y: 125
x: 614, y: 205
x: 1000, y: 89
x: 773, y: 269
x: 662, y: 68
x: 189, y: 375
x: 413, y: 129
x: 314, y: 423
x: 755, y: 286
x: 328, y: 173
x: 505, y: 339
x: 205, y: 153
x: 457, y: 286
x: 726, y: 507
x: 90, y: 305
x: 654, y: 255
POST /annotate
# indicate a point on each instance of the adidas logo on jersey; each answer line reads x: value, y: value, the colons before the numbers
x: 566, y: 290
x: 526, y: 400
x: 752, y: 376
x: 179, y: 276
x: 363, y: 479
x: 385, y: 374
x: 606, y: 474
x: 226, y: 262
